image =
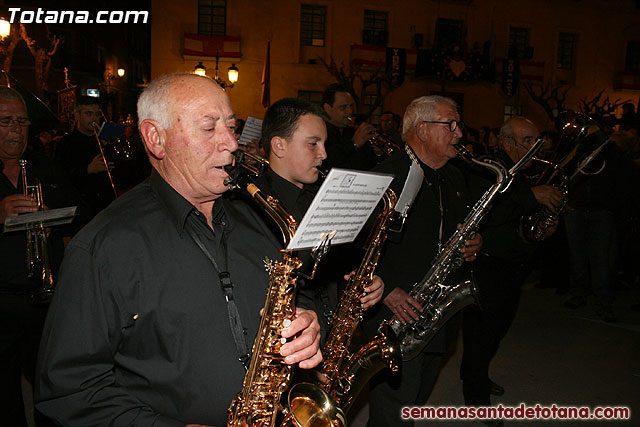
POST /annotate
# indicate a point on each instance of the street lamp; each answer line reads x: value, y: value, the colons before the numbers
x: 5, y: 28
x: 232, y: 73
x: 200, y: 69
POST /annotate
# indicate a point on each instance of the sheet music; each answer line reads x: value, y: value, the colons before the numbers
x: 343, y: 204
x: 252, y: 129
x: 47, y: 218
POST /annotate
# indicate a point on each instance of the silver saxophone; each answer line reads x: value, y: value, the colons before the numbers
x: 439, y: 301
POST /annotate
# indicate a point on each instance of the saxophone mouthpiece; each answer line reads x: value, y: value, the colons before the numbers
x: 463, y: 153
x: 252, y: 189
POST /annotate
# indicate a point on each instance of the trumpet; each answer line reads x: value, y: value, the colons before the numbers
x: 38, y: 258
x: 386, y: 145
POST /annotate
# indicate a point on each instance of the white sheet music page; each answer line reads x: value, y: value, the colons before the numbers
x: 343, y: 204
x: 252, y: 130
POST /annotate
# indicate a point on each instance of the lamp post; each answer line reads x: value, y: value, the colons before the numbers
x: 200, y: 69
x: 232, y: 73
x: 5, y: 32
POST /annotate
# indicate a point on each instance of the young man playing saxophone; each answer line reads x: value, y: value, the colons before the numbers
x: 293, y: 135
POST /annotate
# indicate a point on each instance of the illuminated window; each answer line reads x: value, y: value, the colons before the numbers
x: 566, y: 50
x: 510, y: 111
x: 312, y: 25
x: 519, y: 40
x: 212, y: 18
x: 375, y: 30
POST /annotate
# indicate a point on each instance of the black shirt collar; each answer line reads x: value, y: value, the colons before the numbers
x: 180, y: 209
x: 430, y: 175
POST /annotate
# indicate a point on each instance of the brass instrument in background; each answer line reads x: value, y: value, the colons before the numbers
x: 385, y: 144
x: 581, y: 140
x: 268, y: 376
x: 255, y: 165
x: 439, y: 301
x: 348, y: 373
x: 37, y: 250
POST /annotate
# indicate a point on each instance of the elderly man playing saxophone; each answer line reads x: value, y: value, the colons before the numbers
x: 432, y: 127
x: 142, y: 330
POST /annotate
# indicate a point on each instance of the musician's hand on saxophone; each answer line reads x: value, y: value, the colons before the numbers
x: 16, y: 204
x: 304, y: 346
x: 404, y: 307
x: 548, y: 196
x: 471, y: 247
x: 373, y: 291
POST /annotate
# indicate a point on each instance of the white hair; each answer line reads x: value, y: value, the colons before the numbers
x: 155, y: 100
x: 423, y: 108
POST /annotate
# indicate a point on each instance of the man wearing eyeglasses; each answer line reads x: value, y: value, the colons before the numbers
x: 20, y: 321
x: 431, y: 129
x: 503, y: 265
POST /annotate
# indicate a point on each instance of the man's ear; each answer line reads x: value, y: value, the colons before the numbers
x: 326, y: 107
x: 421, y: 131
x: 279, y: 146
x: 154, y: 138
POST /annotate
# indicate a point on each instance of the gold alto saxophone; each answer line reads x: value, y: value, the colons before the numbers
x: 38, y: 258
x: 259, y: 402
x: 346, y: 373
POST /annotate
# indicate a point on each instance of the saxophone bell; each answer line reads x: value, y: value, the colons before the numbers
x: 259, y: 402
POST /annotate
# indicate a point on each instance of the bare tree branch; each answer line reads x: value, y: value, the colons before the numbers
x: 42, y: 58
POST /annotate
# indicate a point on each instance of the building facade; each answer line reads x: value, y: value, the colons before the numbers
x: 484, y: 53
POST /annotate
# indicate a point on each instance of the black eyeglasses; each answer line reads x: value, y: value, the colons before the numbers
x: 453, y: 124
x: 5, y: 122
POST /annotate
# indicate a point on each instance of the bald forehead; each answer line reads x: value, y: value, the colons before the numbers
x: 188, y: 87
x: 189, y: 92
x: 525, y: 127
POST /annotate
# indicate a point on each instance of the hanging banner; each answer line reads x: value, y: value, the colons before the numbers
x: 510, y: 76
x: 396, y: 64
x: 227, y: 46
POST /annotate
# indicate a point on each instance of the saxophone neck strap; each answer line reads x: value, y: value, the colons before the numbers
x: 239, y: 333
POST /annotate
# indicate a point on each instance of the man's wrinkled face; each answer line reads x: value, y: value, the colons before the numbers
x: 200, y: 142
x: 88, y: 118
x: 13, y: 138
x: 440, y: 140
x: 341, y: 110
x: 304, y: 151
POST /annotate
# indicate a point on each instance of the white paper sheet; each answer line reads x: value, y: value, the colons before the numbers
x: 343, y: 204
